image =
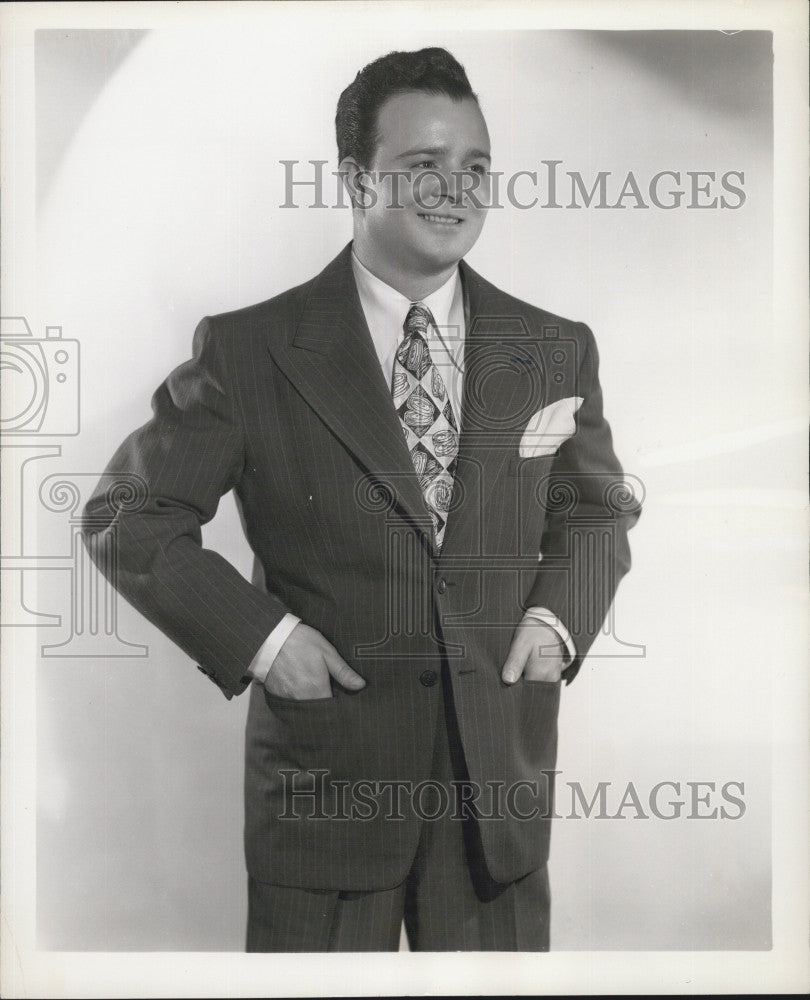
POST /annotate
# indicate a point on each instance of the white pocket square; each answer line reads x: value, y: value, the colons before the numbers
x: 550, y: 427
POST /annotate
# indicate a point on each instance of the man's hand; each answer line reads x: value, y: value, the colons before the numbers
x: 304, y: 664
x: 536, y: 653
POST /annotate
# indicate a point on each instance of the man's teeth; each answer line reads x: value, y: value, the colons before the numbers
x: 444, y: 219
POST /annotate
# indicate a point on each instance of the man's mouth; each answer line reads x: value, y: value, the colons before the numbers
x: 442, y: 220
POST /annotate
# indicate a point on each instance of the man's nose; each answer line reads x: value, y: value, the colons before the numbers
x: 453, y: 188
x: 442, y: 187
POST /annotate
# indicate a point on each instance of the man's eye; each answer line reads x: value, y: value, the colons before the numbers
x: 425, y: 164
x: 477, y: 168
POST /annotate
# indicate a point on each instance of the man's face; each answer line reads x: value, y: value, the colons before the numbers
x: 431, y: 160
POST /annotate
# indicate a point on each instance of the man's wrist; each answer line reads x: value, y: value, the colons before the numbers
x: 547, y: 617
x: 263, y: 660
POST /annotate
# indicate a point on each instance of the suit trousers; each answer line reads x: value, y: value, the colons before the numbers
x: 449, y: 902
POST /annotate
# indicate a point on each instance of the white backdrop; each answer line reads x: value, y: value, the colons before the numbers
x: 161, y: 205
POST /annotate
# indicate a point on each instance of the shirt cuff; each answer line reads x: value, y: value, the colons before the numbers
x: 548, y: 618
x: 260, y: 664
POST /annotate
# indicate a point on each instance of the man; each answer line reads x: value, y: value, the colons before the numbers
x: 404, y: 440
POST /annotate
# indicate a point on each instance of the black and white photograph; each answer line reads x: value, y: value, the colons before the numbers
x: 404, y: 491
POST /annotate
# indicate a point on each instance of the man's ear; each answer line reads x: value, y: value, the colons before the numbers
x: 355, y: 178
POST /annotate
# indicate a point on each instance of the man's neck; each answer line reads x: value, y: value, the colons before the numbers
x: 415, y: 287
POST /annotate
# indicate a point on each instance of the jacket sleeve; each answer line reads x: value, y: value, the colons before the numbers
x: 590, y: 509
x: 184, y: 459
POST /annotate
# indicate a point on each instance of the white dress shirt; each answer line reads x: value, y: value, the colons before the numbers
x: 385, y: 310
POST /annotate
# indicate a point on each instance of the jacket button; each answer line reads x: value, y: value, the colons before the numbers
x: 441, y: 585
x: 428, y: 678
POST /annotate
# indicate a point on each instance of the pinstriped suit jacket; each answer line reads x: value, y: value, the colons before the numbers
x: 285, y: 403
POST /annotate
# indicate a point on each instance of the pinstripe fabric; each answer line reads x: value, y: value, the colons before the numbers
x: 268, y: 406
x: 449, y: 901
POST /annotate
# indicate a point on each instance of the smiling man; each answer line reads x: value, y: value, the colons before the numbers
x: 427, y: 176
x: 405, y: 442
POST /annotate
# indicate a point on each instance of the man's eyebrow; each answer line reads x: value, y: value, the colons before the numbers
x: 475, y: 154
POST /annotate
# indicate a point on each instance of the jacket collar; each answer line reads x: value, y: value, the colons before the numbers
x: 331, y: 360
x: 334, y: 302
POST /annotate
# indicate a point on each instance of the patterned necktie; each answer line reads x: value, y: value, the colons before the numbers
x: 431, y: 431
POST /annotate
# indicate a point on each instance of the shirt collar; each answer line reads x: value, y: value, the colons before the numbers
x: 392, y: 303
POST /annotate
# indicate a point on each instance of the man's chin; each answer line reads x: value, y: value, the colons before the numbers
x: 433, y: 259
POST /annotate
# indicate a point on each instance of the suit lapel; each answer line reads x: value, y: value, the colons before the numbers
x: 330, y: 358
x: 332, y: 362
x: 501, y: 388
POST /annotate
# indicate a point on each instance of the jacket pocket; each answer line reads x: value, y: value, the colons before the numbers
x: 275, y: 702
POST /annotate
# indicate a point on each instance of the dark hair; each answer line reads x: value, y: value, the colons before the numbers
x: 433, y: 71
